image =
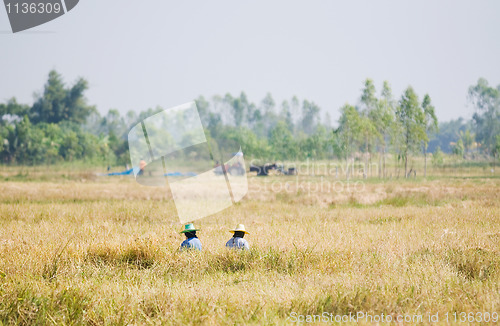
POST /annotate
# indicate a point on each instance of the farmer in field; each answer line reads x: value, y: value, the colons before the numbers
x: 192, y: 241
x: 142, y: 165
x: 237, y: 240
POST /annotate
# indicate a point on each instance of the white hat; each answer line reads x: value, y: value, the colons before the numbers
x: 239, y: 228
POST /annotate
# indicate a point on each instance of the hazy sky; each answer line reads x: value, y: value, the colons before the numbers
x: 140, y: 54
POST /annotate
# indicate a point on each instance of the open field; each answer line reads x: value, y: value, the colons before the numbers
x: 99, y: 250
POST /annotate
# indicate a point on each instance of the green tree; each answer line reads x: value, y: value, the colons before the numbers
x: 497, y: 146
x: 70, y: 148
x: 371, y: 118
x: 268, y: 104
x: 486, y: 101
x: 412, y: 120
x: 430, y: 124
x: 282, y: 142
x: 52, y: 142
x: 459, y: 149
x: 238, y: 105
x: 438, y: 157
x: 203, y: 110
x: 327, y: 122
x: 317, y: 143
x: 269, y: 117
x: 286, y: 115
x: 114, y: 124
x: 295, y: 111
x: 368, y: 97
x: 468, y: 139
x: 58, y: 103
x: 28, y: 143
x: 310, y: 117
x: 347, y: 136
x: 8, y: 134
x: 370, y: 135
x: 385, y: 119
x: 12, y: 109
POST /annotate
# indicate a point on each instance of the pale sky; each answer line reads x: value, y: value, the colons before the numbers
x: 140, y: 54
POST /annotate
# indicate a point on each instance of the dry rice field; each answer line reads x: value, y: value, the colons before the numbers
x: 104, y: 251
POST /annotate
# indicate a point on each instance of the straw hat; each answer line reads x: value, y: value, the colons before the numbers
x: 240, y: 228
x: 189, y: 228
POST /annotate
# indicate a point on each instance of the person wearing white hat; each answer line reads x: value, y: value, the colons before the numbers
x: 237, y: 240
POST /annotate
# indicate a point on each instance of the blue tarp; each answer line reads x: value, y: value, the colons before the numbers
x: 179, y: 174
x: 170, y: 174
x: 121, y: 173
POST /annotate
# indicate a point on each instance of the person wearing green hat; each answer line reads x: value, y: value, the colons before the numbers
x: 237, y: 241
x: 192, y: 241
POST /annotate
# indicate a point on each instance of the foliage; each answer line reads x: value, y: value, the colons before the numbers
x: 348, y: 134
x: 283, y: 142
x: 411, y: 118
x: 52, y: 129
x: 449, y: 132
x: 459, y: 148
x: 430, y: 119
x: 496, y: 151
x: 60, y: 126
x: 438, y: 157
x: 59, y: 103
x: 486, y: 101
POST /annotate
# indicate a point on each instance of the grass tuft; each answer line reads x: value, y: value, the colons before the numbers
x: 27, y: 307
x: 475, y: 264
x: 136, y: 255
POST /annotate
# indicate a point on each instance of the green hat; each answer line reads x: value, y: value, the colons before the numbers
x: 189, y: 228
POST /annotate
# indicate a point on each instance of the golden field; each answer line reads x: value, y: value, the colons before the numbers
x: 82, y: 249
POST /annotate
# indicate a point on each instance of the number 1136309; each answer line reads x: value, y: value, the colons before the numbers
x: 471, y: 317
x: 33, y: 8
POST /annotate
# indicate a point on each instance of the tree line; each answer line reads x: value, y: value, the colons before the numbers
x: 62, y: 126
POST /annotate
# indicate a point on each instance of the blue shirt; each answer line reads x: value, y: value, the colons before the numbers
x: 238, y: 243
x: 191, y: 243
